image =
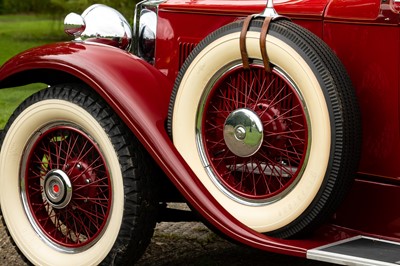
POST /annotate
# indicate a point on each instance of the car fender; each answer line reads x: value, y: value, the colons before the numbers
x: 139, y: 94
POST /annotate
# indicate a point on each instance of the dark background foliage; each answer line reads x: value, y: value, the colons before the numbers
x: 60, y: 8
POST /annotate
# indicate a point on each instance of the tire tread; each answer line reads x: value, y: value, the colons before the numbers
x: 342, y: 103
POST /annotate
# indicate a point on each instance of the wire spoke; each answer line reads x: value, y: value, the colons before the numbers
x: 274, y: 166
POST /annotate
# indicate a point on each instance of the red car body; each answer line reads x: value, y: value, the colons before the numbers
x: 364, y: 34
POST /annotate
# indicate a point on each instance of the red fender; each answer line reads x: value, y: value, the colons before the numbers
x: 140, y: 95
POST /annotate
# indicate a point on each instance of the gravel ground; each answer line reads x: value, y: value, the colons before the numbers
x: 192, y: 243
x: 183, y: 243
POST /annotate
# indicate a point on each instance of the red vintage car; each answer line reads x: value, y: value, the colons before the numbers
x: 277, y: 123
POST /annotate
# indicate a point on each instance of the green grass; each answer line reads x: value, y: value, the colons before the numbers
x: 19, y: 33
x: 11, y: 98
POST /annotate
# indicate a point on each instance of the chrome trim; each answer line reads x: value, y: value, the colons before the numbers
x: 243, y: 132
x: 74, y: 25
x: 146, y: 38
x: 320, y: 255
x: 269, y: 10
x: 149, y: 9
x: 61, y: 198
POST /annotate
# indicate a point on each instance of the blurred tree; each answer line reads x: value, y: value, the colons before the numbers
x: 62, y: 7
x: 12, y: 6
x: 126, y: 7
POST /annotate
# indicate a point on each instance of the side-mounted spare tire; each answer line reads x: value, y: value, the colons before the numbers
x: 277, y: 149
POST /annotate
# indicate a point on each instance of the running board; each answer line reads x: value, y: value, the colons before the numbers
x: 360, y: 250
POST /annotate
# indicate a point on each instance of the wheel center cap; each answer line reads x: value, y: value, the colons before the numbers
x: 243, y: 132
x: 240, y: 133
x: 57, y: 188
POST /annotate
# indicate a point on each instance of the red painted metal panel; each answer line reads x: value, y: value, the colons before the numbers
x: 178, y: 28
x: 182, y: 23
x: 140, y: 94
x: 370, y: 54
x: 371, y: 209
x: 295, y: 7
x: 364, y: 35
x: 362, y: 11
x: 354, y: 9
x: 301, y: 8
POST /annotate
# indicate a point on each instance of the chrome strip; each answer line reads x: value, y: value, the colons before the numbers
x: 145, y: 4
x: 320, y: 255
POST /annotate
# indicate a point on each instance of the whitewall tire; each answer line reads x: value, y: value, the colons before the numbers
x: 274, y: 148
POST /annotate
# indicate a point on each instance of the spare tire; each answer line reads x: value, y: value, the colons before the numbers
x: 276, y: 149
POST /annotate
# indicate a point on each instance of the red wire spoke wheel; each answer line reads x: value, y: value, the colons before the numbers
x: 68, y: 190
x: 76, y: 186
x: 254, y: 133
x: 278, y: 150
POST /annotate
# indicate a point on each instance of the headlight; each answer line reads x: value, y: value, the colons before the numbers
x: 145, y: 28
x: 101, y: 24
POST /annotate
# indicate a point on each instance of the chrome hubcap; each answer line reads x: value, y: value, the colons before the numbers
x: 243, y: 132
x: 57, y: 188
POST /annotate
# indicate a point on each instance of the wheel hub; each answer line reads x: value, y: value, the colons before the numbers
x: 57, y: 188
x: 243, y: 132
x: 274, y: 125
x: 84, y: 180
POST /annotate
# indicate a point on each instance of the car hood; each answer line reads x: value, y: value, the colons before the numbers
x: 292, y: 8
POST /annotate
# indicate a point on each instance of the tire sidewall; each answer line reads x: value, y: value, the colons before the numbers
x: 206, y: 64
x: 29, y: 121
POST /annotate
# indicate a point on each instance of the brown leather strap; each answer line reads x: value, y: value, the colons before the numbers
x: 243, y: 49
x: 263, y: 43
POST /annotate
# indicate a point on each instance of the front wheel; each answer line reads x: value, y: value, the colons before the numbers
x: 75, y: 184
x: 276, y: 149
